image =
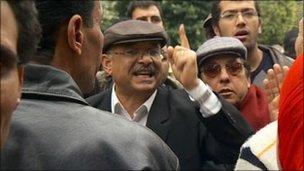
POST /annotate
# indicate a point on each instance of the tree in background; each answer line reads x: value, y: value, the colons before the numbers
x: 277, y: 17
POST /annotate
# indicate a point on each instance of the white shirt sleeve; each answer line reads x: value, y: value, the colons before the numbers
x: 209, y: 103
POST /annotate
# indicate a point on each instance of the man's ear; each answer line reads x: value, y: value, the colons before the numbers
x: 106, y: 62
x: 216, y: 30
x: 260, y: 26
x: 248, y: 82
x: 75, y: 34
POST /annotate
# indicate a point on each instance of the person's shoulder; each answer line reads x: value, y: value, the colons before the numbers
x: 263, y: 139
x: 116, y: 124
x: 96, y: 99
x: 276, y: 55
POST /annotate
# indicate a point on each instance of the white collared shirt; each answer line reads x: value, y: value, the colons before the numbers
x: 140, y: 115
x: 209, y: 103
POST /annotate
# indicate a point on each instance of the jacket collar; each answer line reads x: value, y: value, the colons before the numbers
x: 48, y: 81
x: 159, y: 114
x: 158, y: 118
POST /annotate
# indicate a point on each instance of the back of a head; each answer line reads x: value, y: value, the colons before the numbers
x: 289, y: 42
x: 207, y: 25
x: 52, y: 16
x: 28, y: 28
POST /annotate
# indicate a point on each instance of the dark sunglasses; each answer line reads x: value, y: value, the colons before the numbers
x: 213, y: 69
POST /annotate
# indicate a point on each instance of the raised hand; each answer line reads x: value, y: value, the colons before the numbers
x: 274, y: 81
x: 183, y: 62
x: 273, y: 84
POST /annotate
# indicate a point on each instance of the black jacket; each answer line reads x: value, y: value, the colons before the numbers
x: 199, y: 143
x: 55, y: 129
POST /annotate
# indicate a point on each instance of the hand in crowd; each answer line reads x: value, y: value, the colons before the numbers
x: 183, y: 61
x: 273, y: 84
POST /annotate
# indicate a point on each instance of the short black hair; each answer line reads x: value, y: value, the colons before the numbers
x: 29, y: 31
x: 53, y: 15
x: 216, y: 10
x: 289, y: 42
x: 144, y: 5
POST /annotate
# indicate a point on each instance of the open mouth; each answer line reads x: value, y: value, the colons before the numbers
x: 241, y: 35
x: 148, y: 73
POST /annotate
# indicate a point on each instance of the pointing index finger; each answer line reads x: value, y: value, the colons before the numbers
x: 183, y: 37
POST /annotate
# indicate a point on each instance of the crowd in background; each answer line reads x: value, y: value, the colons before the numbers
x: 75, y: 97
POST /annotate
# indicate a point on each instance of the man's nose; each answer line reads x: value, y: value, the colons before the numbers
x: 240, y: 20
x: 149, y: 19
x: 146, y: 59
x: 224, y: 76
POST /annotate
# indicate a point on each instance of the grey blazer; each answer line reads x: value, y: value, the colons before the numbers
x: 55, y: 129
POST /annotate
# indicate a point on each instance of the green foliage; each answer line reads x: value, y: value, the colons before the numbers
x: 191, y: 14
x: 277, y: 16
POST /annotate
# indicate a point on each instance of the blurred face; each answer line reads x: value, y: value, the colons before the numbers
x: 299, y: 40
x: 11, y: 75
x: 135, y: 67
x: 226, y: 75
x: 239, y: 19
x: 151, y: 14
x: 93, y: 43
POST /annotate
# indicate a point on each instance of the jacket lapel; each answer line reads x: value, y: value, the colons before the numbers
x: 105, y: 100
x: 158, y: 118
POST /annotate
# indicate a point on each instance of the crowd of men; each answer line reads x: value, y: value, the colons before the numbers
x: 57, y: 113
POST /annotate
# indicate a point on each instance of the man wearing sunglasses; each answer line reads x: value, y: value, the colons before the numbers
x: 222, y: 65
x: 242, y: 20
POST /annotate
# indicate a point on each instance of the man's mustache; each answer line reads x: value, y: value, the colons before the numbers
x: 146, y: 70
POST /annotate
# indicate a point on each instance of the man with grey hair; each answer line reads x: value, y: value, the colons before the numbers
x: 222, y: 65
x: 191, y: 129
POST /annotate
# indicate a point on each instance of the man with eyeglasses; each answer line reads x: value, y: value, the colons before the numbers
x: 222, y: 65
x: 203, y: 135
x: 242, y: 20
x: 151, y: 11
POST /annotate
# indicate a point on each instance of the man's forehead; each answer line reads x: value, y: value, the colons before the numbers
x: 224, y: 58
x: 9, y: 27
x: 151, y: 10
x: 236, y: 5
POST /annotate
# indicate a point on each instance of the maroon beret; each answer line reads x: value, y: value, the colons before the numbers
x: 134, y: 31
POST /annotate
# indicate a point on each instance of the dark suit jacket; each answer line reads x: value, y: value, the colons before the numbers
x: 211, y: 143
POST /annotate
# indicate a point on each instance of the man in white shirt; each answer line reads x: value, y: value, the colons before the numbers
x: 204, y: 135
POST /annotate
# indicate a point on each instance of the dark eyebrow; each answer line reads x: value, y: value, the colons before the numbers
x: 242, y: 10
x: 8, y: 57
